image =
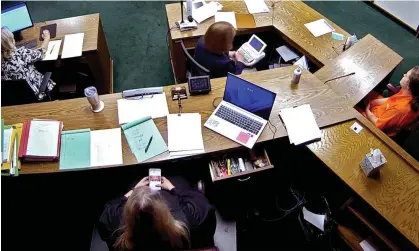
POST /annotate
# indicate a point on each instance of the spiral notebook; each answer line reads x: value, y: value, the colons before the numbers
x: 144, y: 139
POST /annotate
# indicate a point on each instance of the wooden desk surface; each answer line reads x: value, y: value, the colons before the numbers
x: 395, y: 194
x: 328, y: 109
x: 371, y: 61
x: 88, y: 24
x: 289, y: 19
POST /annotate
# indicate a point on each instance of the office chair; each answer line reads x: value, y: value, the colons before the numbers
x: 18, y: 92
x: 195, y: 69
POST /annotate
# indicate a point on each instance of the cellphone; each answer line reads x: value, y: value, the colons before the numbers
x: 154, y: 178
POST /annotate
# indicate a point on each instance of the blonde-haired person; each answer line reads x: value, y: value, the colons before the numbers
x: 213, y: 51
x: 18, y: 63
x: 143, y: 219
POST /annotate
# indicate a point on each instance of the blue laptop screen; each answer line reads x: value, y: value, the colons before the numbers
x: 248, y: 96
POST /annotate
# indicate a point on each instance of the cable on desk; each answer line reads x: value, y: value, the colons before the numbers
x: 213, y: 101
x: 273, y: 131
x: 334, y: 48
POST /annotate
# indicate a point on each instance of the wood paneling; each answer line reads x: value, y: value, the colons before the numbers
x: 371, y: 60
x: 328, y: 109
x: 394, y: 194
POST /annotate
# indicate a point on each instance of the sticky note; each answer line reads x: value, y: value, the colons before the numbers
x: 337, y: 36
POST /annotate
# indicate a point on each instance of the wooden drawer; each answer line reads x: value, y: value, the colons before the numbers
x: 245, y: 155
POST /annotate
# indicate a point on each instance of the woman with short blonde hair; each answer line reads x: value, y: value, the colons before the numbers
x: 18, y: 63
x: 213, y: 51
x: 146, y: 219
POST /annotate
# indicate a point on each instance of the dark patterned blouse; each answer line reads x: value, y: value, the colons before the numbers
x: 20, y: 66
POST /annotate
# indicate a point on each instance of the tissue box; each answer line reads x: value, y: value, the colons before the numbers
x: 372, y: 162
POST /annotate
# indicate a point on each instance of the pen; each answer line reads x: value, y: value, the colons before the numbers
x: 149, y: 143
x: 52, y: 49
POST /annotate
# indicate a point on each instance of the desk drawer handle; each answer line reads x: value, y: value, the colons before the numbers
x: 245, y: 179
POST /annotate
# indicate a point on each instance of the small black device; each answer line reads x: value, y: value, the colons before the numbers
x: 199, y: 85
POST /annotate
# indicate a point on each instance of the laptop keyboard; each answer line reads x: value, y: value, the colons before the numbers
x: 239, y: 119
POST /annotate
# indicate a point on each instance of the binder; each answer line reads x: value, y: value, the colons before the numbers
x: 23, y: 150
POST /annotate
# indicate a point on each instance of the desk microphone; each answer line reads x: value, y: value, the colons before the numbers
x: 352, y: 73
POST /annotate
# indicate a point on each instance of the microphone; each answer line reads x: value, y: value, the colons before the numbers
x: 352, y: 73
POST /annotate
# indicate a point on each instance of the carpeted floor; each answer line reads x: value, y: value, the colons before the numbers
x: 136, y: 34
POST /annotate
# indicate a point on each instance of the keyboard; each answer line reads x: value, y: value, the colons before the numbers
x: 28, y: 44
x: 248, y: 55
x: 239, y: 119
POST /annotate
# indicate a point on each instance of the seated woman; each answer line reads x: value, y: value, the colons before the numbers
x: 157, y: 220
x: 18, y: 64
x: 213, y: 51
x: 398, y: 111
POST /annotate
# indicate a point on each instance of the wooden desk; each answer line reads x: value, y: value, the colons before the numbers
x: 372, y: 62
x: 285, y: 18
x: 95, y: 47
x: 395, y: 194
x: 328, y: 109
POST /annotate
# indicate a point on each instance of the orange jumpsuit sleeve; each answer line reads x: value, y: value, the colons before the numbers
x: 388, y: 120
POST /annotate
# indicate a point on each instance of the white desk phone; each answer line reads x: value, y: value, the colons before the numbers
x: 252, y: 51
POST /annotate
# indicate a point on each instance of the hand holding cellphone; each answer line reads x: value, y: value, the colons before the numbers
x: 154, y: 177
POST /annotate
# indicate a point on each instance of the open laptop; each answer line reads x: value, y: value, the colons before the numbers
x: 243, y: 113
x: 253, y: 49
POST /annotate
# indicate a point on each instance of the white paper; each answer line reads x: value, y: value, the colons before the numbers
x: 53, y: 50
x: 205, y: 12
x: 366, y: 246
x: 73, y: 45
x: 105, y: 147
x: 316, y: 219
x: 300, y: 124
x: 319, y: 27
x: 186, y: 153
x: 7, y: 134
x: 356, y: 127
x: 184, y: 132
x: 43, y: 138
x: 131, y: 110
x: 302, y: 62
x: 286, y: 53
x: 256, y: 6
x: 228, y: 17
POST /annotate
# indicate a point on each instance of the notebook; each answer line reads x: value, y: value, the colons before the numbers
x: 41, y: 140
x: 319, y: 27
x: 73, y: 45
x: 144, y: 139
x: 228, y: 17
x: 75, y: 149
x: 106, y: 147
x: 185, y: 134
x: 53, y: 50
x: 300, y: 124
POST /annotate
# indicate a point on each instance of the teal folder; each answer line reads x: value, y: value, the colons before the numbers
x: 138, y: 134
x: 75, y: 149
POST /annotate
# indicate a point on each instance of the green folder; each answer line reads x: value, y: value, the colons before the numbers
x: 75, y: 149
x: 138, y: 134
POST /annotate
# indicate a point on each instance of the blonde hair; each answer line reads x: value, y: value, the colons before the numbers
x: 219, y: 37
x: 147, y: 218
x: 7, y: 43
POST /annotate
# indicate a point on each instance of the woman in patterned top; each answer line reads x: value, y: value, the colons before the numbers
x: 18, y: 63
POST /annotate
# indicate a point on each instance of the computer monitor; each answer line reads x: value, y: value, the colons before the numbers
x: 249, y: 96
x: 16, y: 17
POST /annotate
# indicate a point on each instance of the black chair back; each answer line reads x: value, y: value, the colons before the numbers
x: 194, y: 67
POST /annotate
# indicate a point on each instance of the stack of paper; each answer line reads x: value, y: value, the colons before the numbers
x: 154, y: 106
x: 106, y: 147
x: 185, y: 134
x: 53, y: 50
x: 319, y: 27
x: 228, y: 17
x: 73, y: 45
x: 206, y: 11
x: 144, y: 139
x: 256, y: 6
x: 75, y: 149
x: 300, y: 124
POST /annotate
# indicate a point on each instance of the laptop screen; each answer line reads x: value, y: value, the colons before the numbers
x: 256, y: 44
x: 248, y: 96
